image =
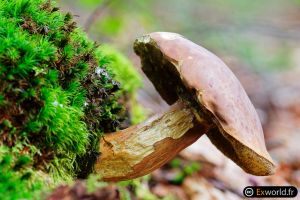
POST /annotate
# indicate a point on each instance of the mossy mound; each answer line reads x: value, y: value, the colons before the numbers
x: 57, y: 96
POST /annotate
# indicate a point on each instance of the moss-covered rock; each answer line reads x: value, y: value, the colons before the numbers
x: 57, y: 97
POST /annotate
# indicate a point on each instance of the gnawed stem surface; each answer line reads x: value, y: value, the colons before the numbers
x: 139, y: 150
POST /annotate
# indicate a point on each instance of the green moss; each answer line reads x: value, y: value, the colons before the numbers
x: 122, y: 68
x: 130, y: 80
x: 16, y: 176
x: 57, y: 96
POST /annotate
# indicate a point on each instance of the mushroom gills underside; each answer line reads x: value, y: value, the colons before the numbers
x: 243, y: 156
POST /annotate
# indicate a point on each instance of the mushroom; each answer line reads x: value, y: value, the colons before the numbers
x: 205, y: 98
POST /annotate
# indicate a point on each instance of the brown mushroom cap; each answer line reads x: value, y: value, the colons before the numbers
x: 179, y: 68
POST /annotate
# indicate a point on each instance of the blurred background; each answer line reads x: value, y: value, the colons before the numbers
x: 258, y: 40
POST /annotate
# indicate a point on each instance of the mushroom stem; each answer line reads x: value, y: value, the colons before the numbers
x: 139, y: 150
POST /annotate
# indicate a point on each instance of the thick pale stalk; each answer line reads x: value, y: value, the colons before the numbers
x: 139, y: 150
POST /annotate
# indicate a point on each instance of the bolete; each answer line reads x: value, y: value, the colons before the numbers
x: 206, y: 98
